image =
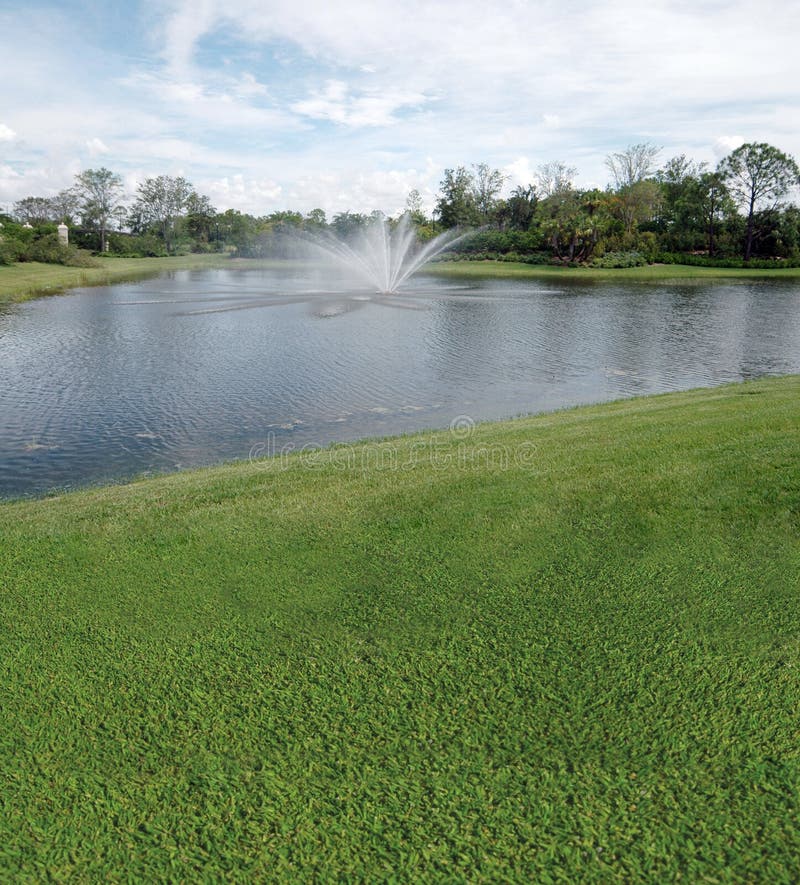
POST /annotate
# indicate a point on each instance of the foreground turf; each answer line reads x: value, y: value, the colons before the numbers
x: 558, y: 649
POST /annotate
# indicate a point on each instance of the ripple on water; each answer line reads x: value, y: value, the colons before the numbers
x: 113, y: 382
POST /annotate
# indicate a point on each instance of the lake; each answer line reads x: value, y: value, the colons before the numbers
x: 199, y: 367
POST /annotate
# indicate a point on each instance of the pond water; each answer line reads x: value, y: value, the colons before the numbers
x: 195, y: 368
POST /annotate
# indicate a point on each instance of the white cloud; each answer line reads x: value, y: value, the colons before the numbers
x: 357, y: 191
x: 339, y: 105
x: 96, y: 147
x: 221, y: 106
x: 258, y: 196
x: 249, y: 86
x: 725, y: 144
x: 519, y: 172
x: 336, y: 103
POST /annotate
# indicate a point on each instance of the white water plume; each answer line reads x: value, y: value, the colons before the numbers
x: 384, y: 255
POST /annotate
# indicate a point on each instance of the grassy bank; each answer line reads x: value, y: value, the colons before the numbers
x: 654, y: 273
x: 557, y: 649
x: 21, y: 282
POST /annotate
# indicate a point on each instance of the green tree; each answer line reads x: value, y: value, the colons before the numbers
x: 709, y: 194
x: 414, y: 208
x: 65, y: 205
x: 486, y: 186
x: 237, y: 230
x: 573, y: 222
x: 346, y: 224
x: 517, y: 212
x: 676, y: 221
x: 456, y: 206
x: 100, y: 199
x: 33, y: 210
x: 758, y: 176
x: 636, y: 204
x: 200, y: 218
x: 159, y: 202
x: 316, y: 219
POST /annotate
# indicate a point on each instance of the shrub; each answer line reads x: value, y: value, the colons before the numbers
x: 131, y: 246
x: 620, y: 259
x: 692, y: 260
x: 50, y: 250
x: 9, y: 251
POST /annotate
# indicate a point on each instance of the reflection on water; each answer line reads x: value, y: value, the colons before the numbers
x: 200, y: 367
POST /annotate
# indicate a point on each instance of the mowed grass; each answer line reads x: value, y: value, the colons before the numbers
x: 561, y: 649
x: 22, y: 282
x: 652, y: 273
x: 31, y: 279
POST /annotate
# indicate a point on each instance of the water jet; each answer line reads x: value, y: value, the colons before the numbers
x: 383, y: 253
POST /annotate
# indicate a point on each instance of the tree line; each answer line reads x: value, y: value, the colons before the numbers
x: 679, y: 211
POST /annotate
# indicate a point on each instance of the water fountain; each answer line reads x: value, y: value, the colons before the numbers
x: 382, y: 254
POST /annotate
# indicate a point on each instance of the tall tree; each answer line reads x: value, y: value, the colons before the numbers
x: 518, y: 210
x: 637, y: 203
x: 632, y: 165
x: 159, y: 201
x: 714, y: 204
x: 554, y: 177
x: 65, y: 205
x: 200, y: 215
x: 33, y: 210
x: 347, y: 224
x: 486, y: 186
x: 316, y: 219
x: 100, y: 195
x: 455, y: 205
x: 758, y: 175
x: 573, y: 222
x: 414, y: 207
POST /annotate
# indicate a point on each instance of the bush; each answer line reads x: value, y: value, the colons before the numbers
x: 50, y: 250
x: 9, y: 251
x: 692, y: 260
x: 130, y: 246
x: 620, y: 259
x: 498, y: 242
x: 538, y: 258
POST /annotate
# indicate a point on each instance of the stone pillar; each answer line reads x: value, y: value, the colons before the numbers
x: 63, y: 234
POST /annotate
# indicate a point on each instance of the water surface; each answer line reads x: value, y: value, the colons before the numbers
x: 199, y: 367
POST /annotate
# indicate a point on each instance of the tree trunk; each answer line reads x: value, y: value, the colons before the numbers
x: 748, y: 246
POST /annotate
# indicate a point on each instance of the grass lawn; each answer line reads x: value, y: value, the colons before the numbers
x: 21, y: 282
x: 563, y: 649
x: 653, y: 273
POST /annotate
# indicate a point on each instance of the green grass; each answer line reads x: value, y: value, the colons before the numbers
x: 656, y: 273
x: 563, y: 649
x: 21, y: 282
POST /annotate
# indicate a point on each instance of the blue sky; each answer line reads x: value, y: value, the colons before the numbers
x: 271, y: 104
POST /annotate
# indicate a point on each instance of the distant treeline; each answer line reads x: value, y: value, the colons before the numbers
x: 678, y: 212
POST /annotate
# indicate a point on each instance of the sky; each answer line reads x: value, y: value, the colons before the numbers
x: 349, y: 105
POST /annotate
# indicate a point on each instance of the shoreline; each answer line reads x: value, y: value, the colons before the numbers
x: 28, y: 280
x: 650, y: 273
x: 445, y: 442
